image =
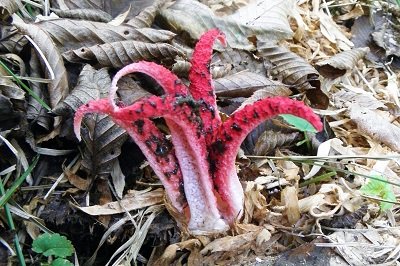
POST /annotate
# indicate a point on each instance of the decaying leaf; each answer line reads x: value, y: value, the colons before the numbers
x: 7, y: 8
x: 270, y: 140
x: 264, y: 20
x: 290, y: 200
x: 91, y: 85
x: 71, y: 34
x: 238, y: 61
x: 243, y: 84
x: 373, y: 246
x: 12, y: 39
x: 376, y: 126
x: 133, y: 201
x: 84, y: 14
x: 103, y: 139
x: 146, y: 17
x: 8, y: 88
x: 338, y: 64
x: 119, y: 54
x: 58, y: 88
x: 343, y: 98
x: 293, y: 70
x: 230, y: 243
x: 332, y: 31
x: 265, y: 93
x: 35, y: 110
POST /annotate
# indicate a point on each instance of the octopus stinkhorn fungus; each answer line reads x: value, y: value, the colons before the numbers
x: 197, y: 164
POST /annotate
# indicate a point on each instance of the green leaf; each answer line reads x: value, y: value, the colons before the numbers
x: 53, y: 244
x: 299, y: 123
x: 378, y: 187
x: 61, y: 262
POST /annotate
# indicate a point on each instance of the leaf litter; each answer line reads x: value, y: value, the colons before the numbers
x: 79, y: 52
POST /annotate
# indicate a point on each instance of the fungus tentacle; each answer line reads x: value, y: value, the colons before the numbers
x: 232, y: 133
x: 201, y: 87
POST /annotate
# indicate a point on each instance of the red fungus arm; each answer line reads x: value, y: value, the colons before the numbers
x: 201, y: 87
x: 232, y: 133
x: 153, y: 143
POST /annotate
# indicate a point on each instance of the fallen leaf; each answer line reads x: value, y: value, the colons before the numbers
x: 122, y: 53
x: 340, y: 63
x: 376, y: 126
x: 135, y: 201
x: 265, y: 20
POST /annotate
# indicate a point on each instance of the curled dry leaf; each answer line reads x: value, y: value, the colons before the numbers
x: 265, y: 93
x: 296, y: 71
x: 71, y: 34
x: 338, y: 64
x: 35, y: 110
x: 255, y: 203
x: 290, y: 200
x: 376, y: 126
x: 58, y: 88
x: 270, y: 140
x: 243, y: 84
x: 343, y: 98
x: 91, y: 85
x: 135, y: 201
x: 119, y: 54
x: 12, y: 40
x: 146, y: 17
x: 7, y: 8
x: 271, y: 21
x: 84, y: 14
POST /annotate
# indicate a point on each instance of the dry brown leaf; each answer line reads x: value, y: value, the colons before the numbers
x: 35, y: 110
x: 146, y: 17
x: 84, y: 14
x: 105, y: 197
x: 333, y: 32
x: 236, y: 60
x: 243, y: 84
x: 71, y: 34
x: 133, y: 201
x: 170, y: 253
x: 293, y: 70
x: 290, y: 200
x: 255, y: 204
x: 344, y: 98
x: 58, y: 88
x: 230, y: 243
x: 119, y: 54
x: 270, y: 140
x: 77, y: 181
x: 102, y: 137
x: 91, y: 85
x: 265, y: 93
x: 7, y: 8
x: 265, y: 20
x: 11, y: 40
x: 376, y: 126
x: 8, y: 88
x: 366, y: 247
x: 340, y: 63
